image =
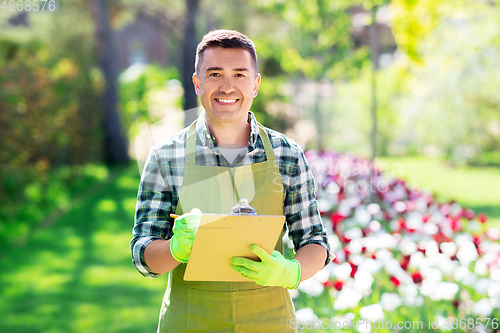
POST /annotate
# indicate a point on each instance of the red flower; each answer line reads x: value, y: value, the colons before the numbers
x: 455, y: 223
x: 426, y: 217
x: 336, y: 218
x: 417, y: 277
x: 421, y: 249
x: 346, y: 252
x: 455, y: 303
x: 338, y: 284
x: 476, y: 239
x: 395, y: 280
x: 405, y: 262
x: 354, y: 269
x: 482, y: 217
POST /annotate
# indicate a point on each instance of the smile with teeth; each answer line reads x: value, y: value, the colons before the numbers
x: 225, y: 100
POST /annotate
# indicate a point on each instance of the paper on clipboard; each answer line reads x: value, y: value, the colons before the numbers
x: 222, y: 237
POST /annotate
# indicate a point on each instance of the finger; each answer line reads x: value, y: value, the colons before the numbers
x: 195, y: 211
x: 184, y: 234
x: 248, y: 273
x: 260, y: 252
x: 247, y: 263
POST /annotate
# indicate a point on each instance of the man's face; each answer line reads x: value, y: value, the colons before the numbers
x: 226, y: 84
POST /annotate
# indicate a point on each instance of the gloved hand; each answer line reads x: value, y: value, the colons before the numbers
x: 272, y: 270
x: 185, y: 227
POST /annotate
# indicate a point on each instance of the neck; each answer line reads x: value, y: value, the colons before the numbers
x: 231, y: 134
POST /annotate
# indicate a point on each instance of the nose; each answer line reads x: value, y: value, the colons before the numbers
x: 227, y: 86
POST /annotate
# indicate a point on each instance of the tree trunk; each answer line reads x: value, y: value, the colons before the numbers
x: 375, y: 67
x: 188, y: 57
x: 115, y: 143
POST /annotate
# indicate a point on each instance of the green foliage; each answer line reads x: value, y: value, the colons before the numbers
x: 29, y: 194
x: 48, y: 93
x: 145, y: 91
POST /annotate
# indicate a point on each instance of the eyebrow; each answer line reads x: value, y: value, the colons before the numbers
x: 243, y: 69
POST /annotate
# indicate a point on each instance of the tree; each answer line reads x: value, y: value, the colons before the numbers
x: 115, y: 143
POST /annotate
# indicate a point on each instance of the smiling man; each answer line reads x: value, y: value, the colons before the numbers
x: 181, y: 175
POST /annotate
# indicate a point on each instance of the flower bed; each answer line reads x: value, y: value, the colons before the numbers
x: 402, y: 257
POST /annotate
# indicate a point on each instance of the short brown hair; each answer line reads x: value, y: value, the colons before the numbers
x: 228, y: 39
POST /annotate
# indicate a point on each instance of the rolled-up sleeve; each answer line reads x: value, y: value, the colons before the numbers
x: 154, y: 205
x: 301, y: 207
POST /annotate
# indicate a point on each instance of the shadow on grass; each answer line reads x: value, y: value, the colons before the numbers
x: 492, y: 211
x: 77, y: 275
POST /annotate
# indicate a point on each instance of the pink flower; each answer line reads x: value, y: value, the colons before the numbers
x: 469, y: 214
x: 482, y: 217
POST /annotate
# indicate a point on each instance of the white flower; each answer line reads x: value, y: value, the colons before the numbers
x: 390, y: 301
x: 355, y: 246
x: 373, y: 208
x: 353, y: 233
x: 482, y: 308
x: 461, y: 273
x: 370, y: 265
x: 430, y: 228
x: 362, y: 216
x: 324, y: 204
x: 386, y: 241
x: 342, y: 272
x: 347, y: 298
x: 407, y: 247
x: 311, y: 287
x: 400, y: 206
x: 334, y: 242
x: 322, y: 275
x: 363, y: 281
x: 414, y: 221
x: 482, y: 285
x: 373, y: 312
x: 305, y: 315
x: 494, y: 290
x: 480, y: 268
x: 467, y: 253
x: 374, y: 226
x: 448, y: 248
x: 294, y: 293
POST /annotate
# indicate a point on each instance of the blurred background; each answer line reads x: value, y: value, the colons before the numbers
x: 409, y: 84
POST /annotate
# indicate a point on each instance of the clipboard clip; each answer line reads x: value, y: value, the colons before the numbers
x: 243, y: 208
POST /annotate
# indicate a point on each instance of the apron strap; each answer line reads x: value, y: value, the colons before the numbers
x: 191, y: 144
x: 268, y: 147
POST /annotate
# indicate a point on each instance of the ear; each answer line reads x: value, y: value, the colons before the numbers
x: 256, y: 85
x: 196, y: 83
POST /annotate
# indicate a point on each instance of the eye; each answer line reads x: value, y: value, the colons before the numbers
x: 214, y: 74
x: 240, y: 75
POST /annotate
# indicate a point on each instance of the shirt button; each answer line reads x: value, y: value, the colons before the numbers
x: 208, y: 136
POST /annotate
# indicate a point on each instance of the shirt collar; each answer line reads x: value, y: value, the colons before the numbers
x: 207, y: 139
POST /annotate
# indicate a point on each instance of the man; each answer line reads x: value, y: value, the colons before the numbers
x: 182, y: 175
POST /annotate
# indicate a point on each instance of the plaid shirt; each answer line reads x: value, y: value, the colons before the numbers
x: 161, y: 183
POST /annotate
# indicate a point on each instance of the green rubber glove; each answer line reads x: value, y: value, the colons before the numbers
x: 272, y: 270
x: 185, y: 227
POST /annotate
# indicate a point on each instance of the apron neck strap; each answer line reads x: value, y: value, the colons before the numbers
x: 191, y: 144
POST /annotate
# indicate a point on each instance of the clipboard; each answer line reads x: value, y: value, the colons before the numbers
x: 221, y: 237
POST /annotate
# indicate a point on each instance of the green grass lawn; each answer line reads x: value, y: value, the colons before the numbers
x: 473, y: 187
x: 76, y: 275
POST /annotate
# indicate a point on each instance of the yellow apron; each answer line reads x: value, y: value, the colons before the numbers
x: 200, y: 306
